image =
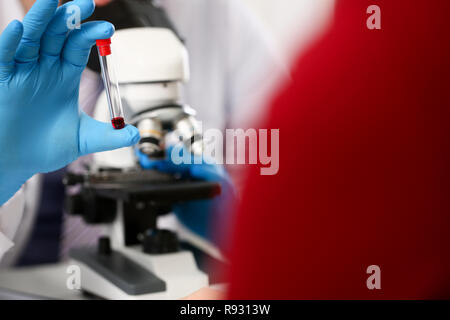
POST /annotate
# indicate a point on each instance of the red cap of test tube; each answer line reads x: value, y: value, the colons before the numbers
x: 104, y: 47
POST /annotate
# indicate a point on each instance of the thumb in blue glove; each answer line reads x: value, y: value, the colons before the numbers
x: 41, y: 62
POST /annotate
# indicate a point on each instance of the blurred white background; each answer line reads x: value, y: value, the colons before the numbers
x: 285, y: 20
x: 293, y: 23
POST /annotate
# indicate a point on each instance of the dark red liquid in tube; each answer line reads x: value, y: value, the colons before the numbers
x: 118, y: 123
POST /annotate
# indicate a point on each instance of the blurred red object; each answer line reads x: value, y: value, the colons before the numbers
x: 364, y: 167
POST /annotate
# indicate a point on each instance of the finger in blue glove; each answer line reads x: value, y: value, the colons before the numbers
x: 42, y: 127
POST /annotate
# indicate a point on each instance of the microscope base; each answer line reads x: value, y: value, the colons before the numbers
x: 167, y: 276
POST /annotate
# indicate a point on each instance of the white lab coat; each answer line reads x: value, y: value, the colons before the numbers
x: 233, y: 65
x: 18, y: 214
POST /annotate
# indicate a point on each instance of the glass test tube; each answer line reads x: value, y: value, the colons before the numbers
x: 111, y: 83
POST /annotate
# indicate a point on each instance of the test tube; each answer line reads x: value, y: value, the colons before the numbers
x: 111, y: 83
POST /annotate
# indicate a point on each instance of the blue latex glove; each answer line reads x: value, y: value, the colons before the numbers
x: 41, y: 62
x: 200, y: 216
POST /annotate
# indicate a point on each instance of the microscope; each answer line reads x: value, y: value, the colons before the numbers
x: 136, y: 260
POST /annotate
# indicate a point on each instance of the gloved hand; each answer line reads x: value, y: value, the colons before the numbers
x: 42, y: 128
x: 200, y: 216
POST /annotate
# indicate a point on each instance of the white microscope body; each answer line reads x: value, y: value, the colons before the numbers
x: 151, y: 65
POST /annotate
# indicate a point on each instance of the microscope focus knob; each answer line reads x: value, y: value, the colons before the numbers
x: 160, y: 241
